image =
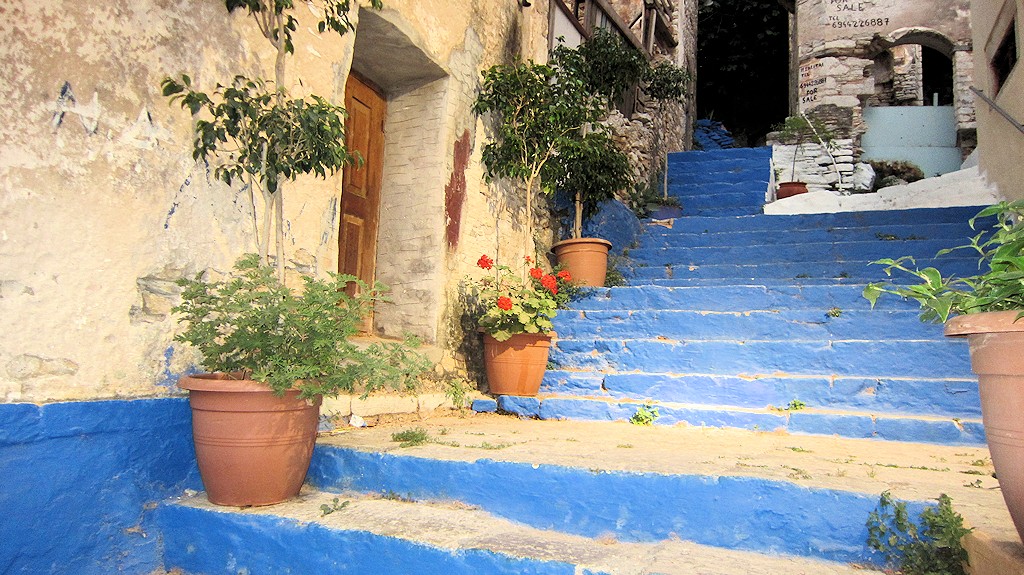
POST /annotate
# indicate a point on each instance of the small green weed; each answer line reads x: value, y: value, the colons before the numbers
x: 834, y: 312
x: 335, y: 505
x: 799, y: 450
x: 625, y: 446
x: 887, y: 237
x: 411, y: 437
x: 928, y: 546
x: 646, y: 414
x: 796, y: 405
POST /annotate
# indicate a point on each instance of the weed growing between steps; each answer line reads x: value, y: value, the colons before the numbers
x: 420, y: 436
x: 928, y: 546
x: 646, y: 414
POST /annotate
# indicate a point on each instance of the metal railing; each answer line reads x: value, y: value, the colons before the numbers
x: 992, y: 104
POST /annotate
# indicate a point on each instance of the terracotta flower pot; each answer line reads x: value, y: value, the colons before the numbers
x: 790, y: 189
x: 996, y: 343
x: 586, y: 259
x: 516, y: 366
x: 253, y: 447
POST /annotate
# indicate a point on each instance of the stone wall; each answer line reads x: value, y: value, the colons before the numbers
x: 103, y: 207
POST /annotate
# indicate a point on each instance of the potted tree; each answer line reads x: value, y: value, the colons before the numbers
x: 273, y: 350
x: 515, y: 316
x: 798, y: 130
x: 594, y: 169
x: 987, y: 309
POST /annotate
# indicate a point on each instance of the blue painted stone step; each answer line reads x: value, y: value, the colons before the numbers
x: 686, y: 158
x: 785, y: 253
x: 860, y: 425
x: 365, y: 536
x: 752, y: 192
x: 735, y: 298
x: 782, y: 224
x: 892, y: 235
x: 920, y: 359
x: 731, y: 512
x: 804, y: 324
x: 854, y: 395
x: 860, y: 270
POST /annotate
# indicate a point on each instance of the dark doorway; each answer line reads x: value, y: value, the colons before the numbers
x: 936, y: 77
x: 743, y: 66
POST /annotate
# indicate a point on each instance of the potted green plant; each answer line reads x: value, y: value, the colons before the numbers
x: 515, y: 316
x: 798, y: 130
x: 538, y: 112
x: 987, y: 309
x: 594, y: 169
x: 273, y: 352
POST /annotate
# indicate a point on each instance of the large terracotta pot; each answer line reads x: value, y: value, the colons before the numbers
x: 997, y: 356
x: 253, y: 447
x: 516, y: 366
x: 790, y: 189
x: 586, y: 259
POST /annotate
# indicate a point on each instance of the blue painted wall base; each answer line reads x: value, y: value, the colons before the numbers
x: 77, y: 478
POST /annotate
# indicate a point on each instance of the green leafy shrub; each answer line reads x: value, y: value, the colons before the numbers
x: 254, y: 326
x: 930, y: 546
x: 999, y: 286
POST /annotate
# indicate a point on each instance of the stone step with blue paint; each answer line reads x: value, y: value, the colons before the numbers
x: 823, y: 395
x: 822, y: 324
x: 658, y: 236
x: 817, y: 251
x: 862, y: 271
x: 708, y: 194
x: 730, y: 298
x: 928, y: 359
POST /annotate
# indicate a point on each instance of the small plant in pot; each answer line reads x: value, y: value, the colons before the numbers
x: 515, y: 316
x: 273, y: 352
x: 798, y: 131
x: 987, y: 308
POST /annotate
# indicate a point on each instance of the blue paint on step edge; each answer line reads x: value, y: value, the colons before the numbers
x: 79, y: 478
x: 732, y: 512
x: 202, y: 541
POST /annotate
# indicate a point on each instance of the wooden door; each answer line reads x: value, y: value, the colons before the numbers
x: 360, y: 195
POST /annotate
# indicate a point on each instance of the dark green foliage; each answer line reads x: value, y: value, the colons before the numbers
x: 666, y: 81
x: 411, y: 437
x: 930, y: 546
x: 607, y: 65
x: 999, y: 286
x: 591, y: 169
x: 248, y: 133
x: 254, y: 325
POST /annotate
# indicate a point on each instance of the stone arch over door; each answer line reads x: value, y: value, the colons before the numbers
x: 960, y: 57
x: 410, y: 234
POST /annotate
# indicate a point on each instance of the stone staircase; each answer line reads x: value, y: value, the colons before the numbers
x: 738, y: 319
x: 748, y: 328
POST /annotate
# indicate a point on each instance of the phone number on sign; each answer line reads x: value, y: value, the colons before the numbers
x: 871, y: 22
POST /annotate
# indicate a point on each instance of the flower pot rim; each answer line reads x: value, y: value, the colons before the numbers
x: 223, y: 382
x: 984, y: 322
x: 550, y: 334
x: 572, y: 241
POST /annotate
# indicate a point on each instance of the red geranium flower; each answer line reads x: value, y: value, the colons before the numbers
x: 505, y: 303
x: 564, y: 276
x: 528, y: 259
x: 549, y: 282
x: 485, y: 262
x: 536, y: 273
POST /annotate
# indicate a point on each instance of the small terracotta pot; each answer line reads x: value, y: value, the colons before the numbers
x: 790, y: 189
x: 253, y: 447
x: 996, y: 343
x: 516, y: 366
x: 586, y: 259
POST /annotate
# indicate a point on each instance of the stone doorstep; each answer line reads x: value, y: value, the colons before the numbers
x: 911, y: 471
x: 459, y: 532
x: 993, y: 556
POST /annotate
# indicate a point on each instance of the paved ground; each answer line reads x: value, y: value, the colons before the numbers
x: 909, y: 471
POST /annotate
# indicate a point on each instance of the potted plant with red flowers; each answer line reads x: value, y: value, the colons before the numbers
x: 987, y: 309
x: 515, y: 317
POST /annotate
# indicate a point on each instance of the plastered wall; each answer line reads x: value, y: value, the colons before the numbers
x: 999, y: 143
x: 102, y: 206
